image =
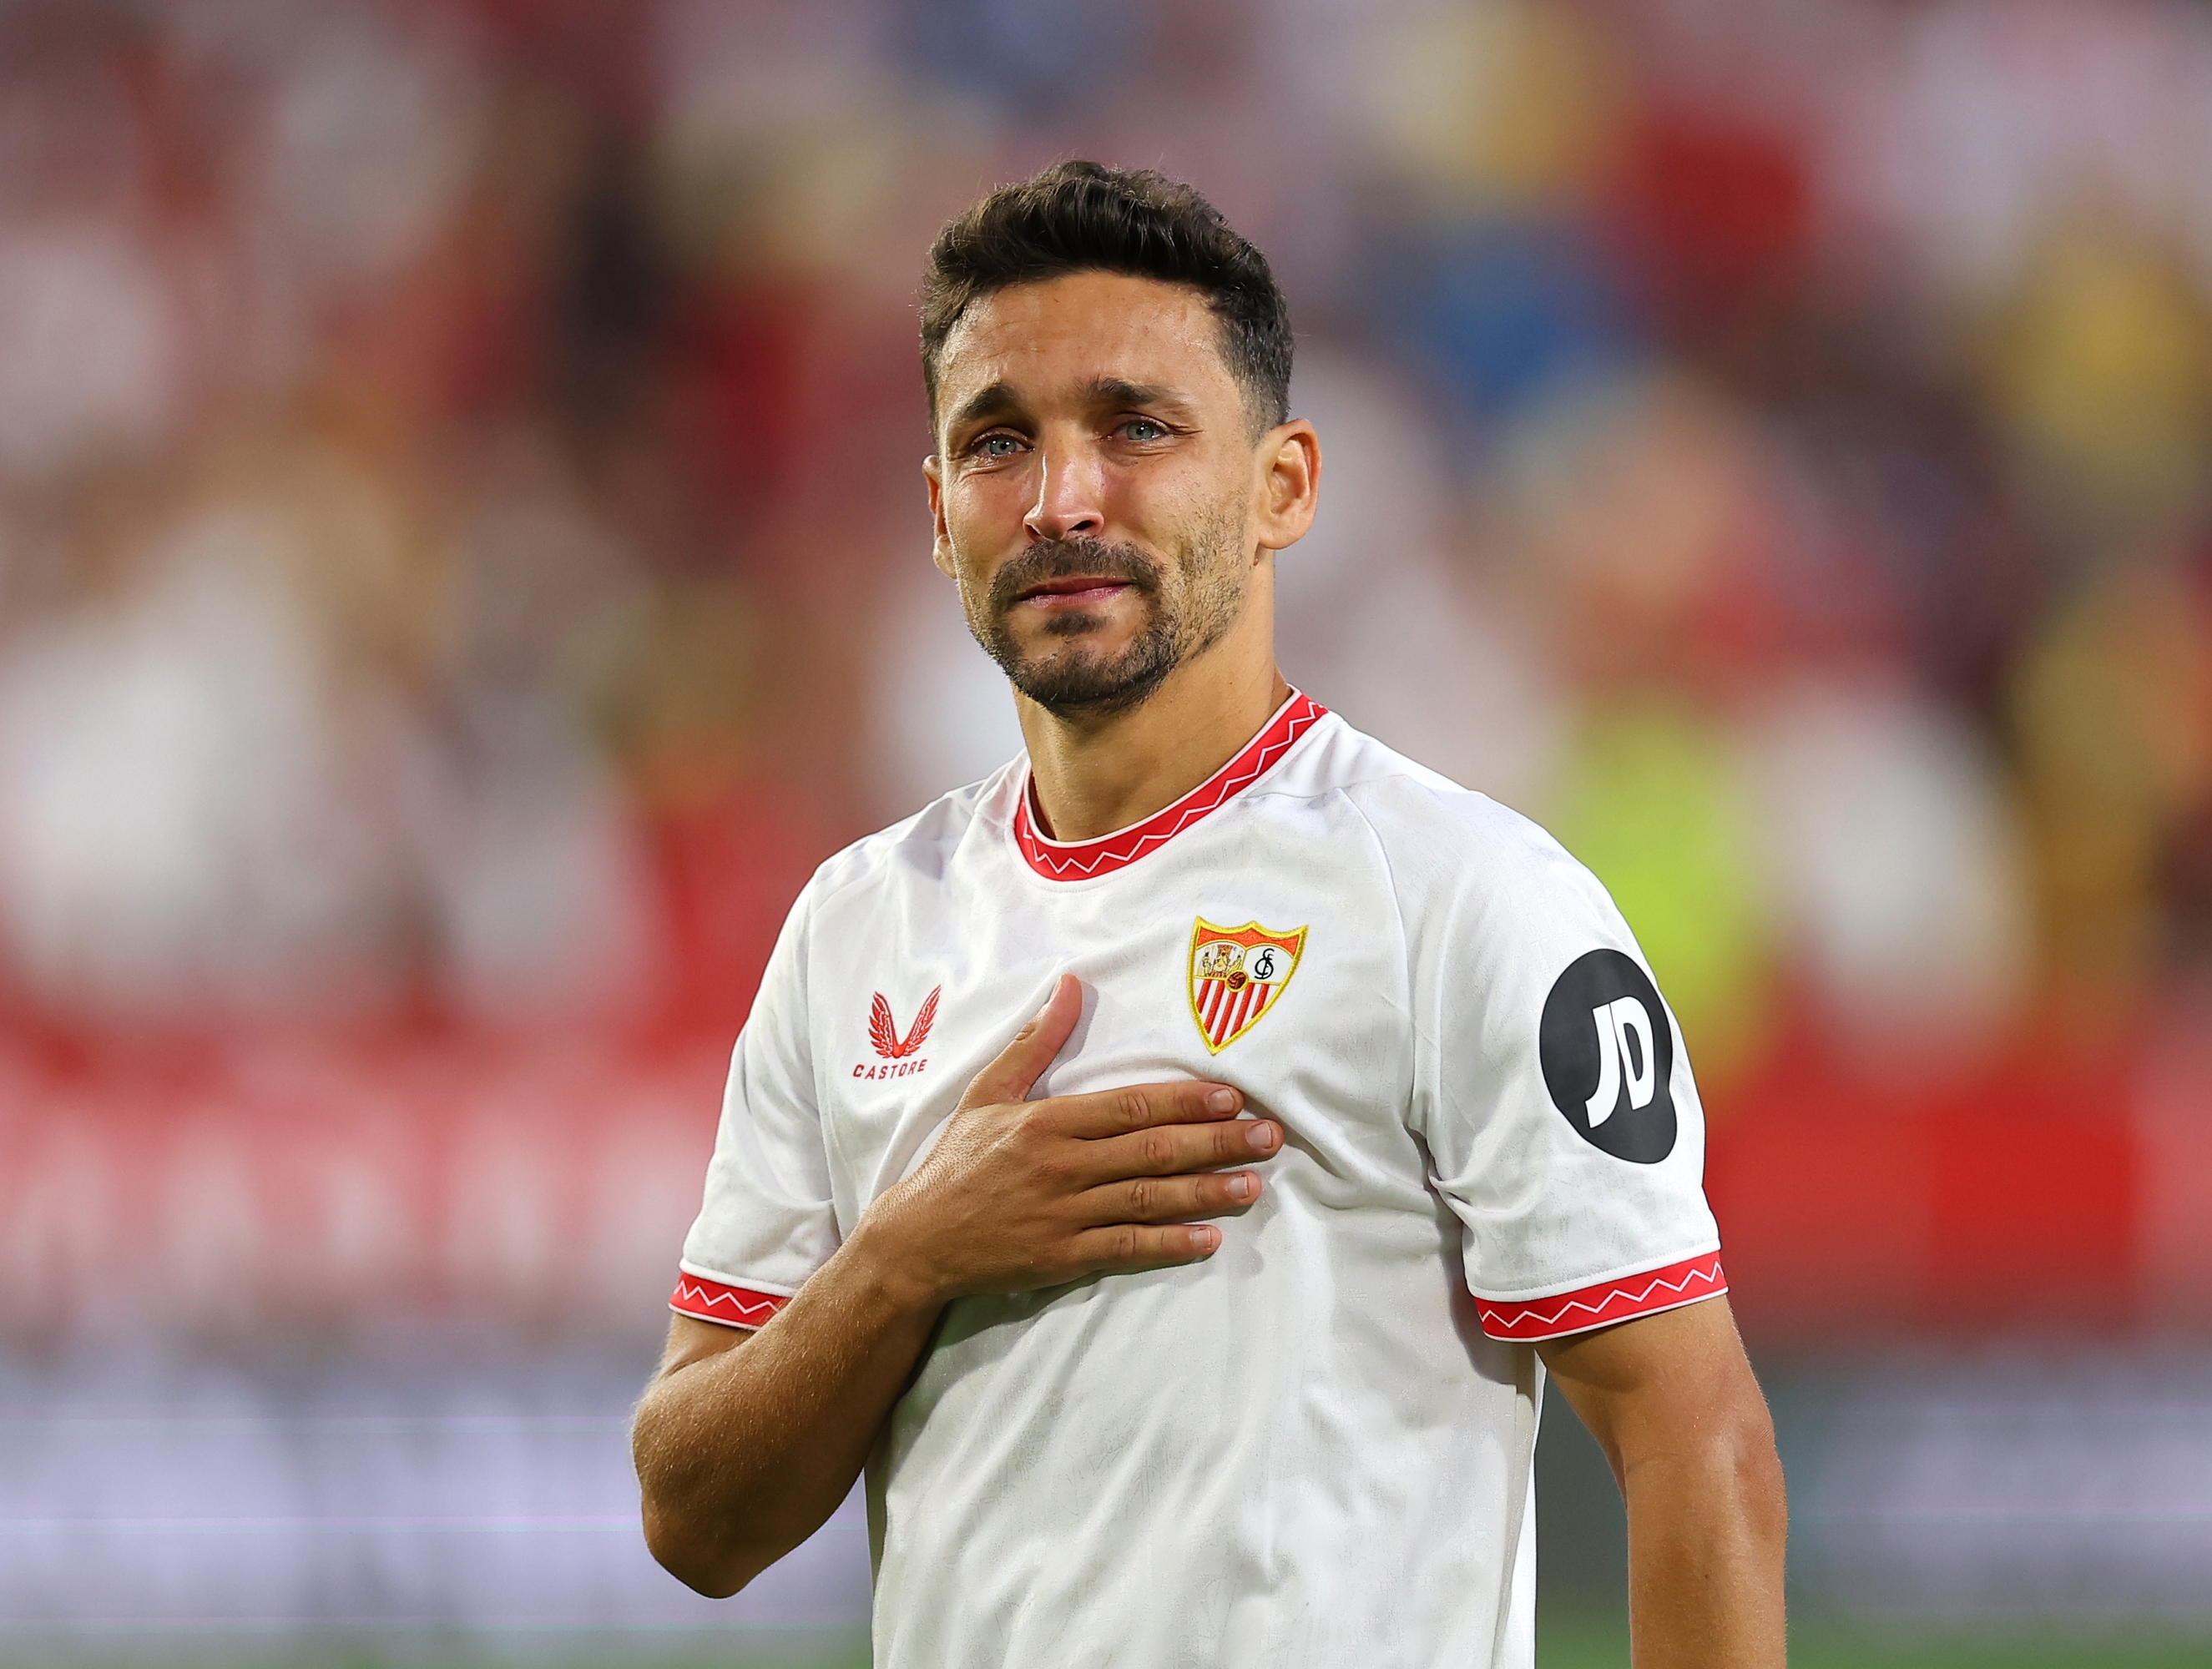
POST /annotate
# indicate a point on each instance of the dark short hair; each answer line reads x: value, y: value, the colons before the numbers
x: 1084, y: 217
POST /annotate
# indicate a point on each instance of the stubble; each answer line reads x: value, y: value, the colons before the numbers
x: 1188, y: 606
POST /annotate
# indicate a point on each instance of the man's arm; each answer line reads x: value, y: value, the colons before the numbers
x: 742, y: 1453
x: 745, y: 1442
x: 1671, y: 1400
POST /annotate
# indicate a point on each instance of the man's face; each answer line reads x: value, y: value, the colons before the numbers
x: 1093, y: 485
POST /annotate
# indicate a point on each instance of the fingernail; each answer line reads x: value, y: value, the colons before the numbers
x: 1240, y: 1188
x: 1262, y: 1136
x: 1205, y: 1239
x: 1221, y: 1100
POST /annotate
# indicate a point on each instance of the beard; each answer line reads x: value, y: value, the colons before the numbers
x: 1186, y: 609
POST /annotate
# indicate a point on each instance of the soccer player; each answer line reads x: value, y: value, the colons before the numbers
x: 1170, y: 1166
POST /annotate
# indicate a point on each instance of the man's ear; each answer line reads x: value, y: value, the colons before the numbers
x: 1287, y: 484
x: 941, y: 554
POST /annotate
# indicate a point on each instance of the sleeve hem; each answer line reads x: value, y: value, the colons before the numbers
x: 728, y: 1306
x: 1621, y: 1298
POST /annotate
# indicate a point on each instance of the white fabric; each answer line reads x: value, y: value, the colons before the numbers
x: 1304, y: 1451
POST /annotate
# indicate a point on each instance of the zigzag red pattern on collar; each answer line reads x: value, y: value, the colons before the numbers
x: 1624, y: 1297
x: 1079, y: 860
x: 712, y: 1300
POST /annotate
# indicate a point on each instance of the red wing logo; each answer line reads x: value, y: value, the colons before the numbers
x: 883, y: 1030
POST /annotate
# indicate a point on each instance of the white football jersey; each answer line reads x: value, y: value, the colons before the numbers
x: 1313, y: 1448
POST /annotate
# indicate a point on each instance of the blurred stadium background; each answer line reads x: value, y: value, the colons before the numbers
x: 462, y: 561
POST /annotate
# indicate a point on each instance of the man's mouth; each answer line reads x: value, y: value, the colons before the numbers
x: 1071, y: 590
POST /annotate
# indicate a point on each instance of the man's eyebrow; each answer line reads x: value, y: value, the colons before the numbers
x: 998, y: 400
x: 1120, y: 392
x: 992, y: 402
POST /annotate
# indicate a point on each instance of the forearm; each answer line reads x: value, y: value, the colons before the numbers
x: 1706, y: 1528
x: 742, y: 1454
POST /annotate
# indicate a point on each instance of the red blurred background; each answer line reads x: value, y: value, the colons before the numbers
x: 463, y: 563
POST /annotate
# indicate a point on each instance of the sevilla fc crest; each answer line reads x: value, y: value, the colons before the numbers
x: 1237, y: 974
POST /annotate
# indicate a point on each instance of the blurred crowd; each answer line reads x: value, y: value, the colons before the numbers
x: 462, y: 552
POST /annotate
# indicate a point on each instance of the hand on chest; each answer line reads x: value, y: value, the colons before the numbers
x: 1274, y: 989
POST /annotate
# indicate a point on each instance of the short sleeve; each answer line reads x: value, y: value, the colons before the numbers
x: 767, y: 1221
x: 1554, y: 1091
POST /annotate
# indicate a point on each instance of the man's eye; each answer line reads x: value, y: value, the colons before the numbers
x: 996, y: 446
x: 1143, y: 429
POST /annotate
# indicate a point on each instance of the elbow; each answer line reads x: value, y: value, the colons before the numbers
x: 696, y: 1560
x: 687, y: 1528
x: 1756, y: 1466
x: 1727, y: 1460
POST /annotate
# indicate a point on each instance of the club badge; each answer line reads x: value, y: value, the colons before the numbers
x: 1236, y: 973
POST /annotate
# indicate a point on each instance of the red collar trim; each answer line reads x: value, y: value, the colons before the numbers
x: 1079, y: 860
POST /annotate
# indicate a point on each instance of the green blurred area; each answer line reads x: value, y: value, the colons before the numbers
x: 1569, y: 1639
x: 737, y: 1648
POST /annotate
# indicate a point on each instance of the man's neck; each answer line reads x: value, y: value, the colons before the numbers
x: 1093, y: 777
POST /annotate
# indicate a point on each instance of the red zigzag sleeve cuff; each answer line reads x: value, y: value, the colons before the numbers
x: 715, y: 1300
x: 1621, y: 1299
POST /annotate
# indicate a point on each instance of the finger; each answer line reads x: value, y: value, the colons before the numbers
x: 1170, y: 1199
x: 1179, y: 1150
x: 1128, y: 1246
x: 1022, y: 1062
x: 1105, y: 1113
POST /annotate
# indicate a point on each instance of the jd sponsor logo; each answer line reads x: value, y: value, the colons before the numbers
x: 1609, y: 1056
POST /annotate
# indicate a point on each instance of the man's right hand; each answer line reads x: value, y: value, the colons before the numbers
x: 1021, y: 1193
x: 742, y: 1453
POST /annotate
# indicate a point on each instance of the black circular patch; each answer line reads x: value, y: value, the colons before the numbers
x: 1608, y: 1056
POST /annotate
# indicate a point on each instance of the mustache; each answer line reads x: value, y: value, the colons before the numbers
x: 1065, y: 559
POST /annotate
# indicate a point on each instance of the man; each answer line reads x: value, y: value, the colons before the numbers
x: 1200, y: 1322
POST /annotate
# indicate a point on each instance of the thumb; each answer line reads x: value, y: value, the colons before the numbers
x: 1022, y: 1062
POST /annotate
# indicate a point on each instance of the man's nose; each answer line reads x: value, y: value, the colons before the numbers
x: 1070, y: 490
